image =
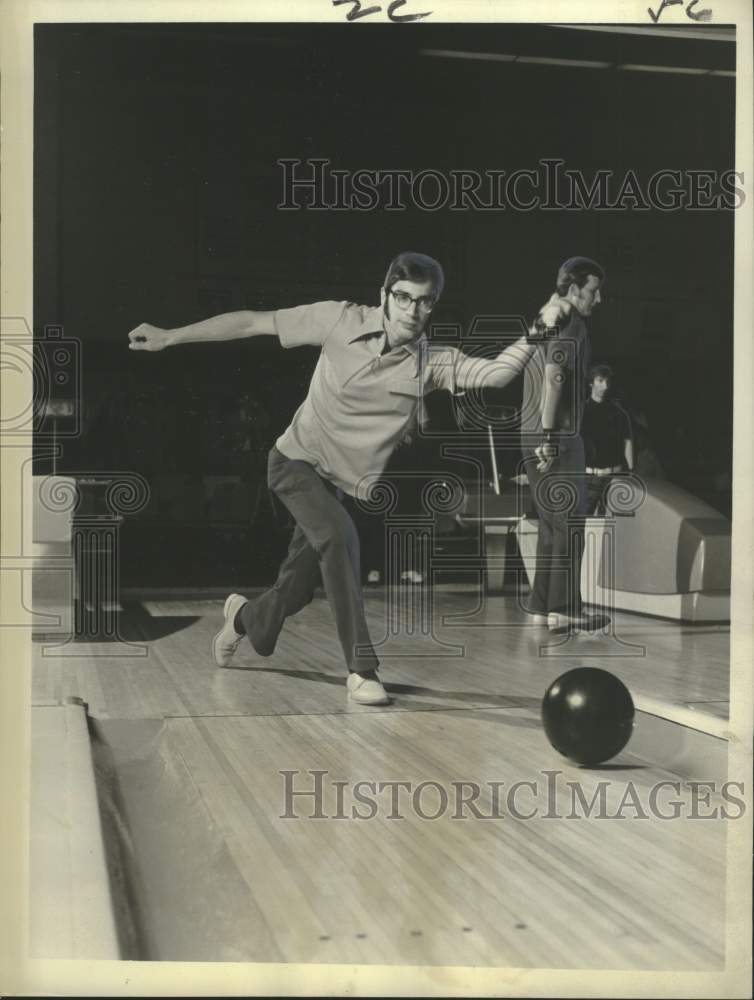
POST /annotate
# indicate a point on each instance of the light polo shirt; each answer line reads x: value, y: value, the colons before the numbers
x: 361, y: 402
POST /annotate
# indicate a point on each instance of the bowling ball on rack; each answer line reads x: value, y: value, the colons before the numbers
x: 588, y: 715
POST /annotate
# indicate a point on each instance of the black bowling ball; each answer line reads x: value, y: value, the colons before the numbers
x: 588, y: 715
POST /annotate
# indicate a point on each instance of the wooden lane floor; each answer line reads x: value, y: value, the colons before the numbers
x: 471, y: 659
x: 541, y: 879
x: 530, y: 879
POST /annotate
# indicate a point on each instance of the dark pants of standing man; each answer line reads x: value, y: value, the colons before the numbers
x: 325, y: 542
x: 596, y: 490
x: 560, y: 499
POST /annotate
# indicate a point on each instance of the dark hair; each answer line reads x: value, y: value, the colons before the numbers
x: 576, y: 271
x: 418, y: 267
x: 600, y: 371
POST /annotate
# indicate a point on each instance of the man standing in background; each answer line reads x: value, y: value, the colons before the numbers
x: 554, y: 393
x: 608, y: 441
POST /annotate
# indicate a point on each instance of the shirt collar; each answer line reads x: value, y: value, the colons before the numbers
x: 373, y: 326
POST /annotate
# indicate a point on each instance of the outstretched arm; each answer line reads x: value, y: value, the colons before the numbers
x: 228, y: 326
x: 482, y: 373
x: 494, y: 373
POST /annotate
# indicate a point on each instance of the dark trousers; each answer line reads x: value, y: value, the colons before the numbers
x: 325, y: 543
x: 560, y: 500
x: 596, y: 488
x: 403, y: 475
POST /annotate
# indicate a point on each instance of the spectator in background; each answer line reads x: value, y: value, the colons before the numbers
x: 608, y: 440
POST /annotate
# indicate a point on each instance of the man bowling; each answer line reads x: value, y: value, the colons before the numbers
x: 374, y: 368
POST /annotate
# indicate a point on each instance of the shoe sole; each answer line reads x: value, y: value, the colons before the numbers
x: 381, y: 701
x: 217, y: 636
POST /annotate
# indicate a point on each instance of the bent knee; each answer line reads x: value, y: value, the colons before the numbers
x: 342, y: 539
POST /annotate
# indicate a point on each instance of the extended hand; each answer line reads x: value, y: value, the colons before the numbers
x: 546, y: 454
x: 550, y: 319
x: 148, y: 338
x: 555, y: 310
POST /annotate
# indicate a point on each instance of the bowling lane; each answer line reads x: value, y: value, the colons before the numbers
x: 190, y: 760
x: 532, y: 878
x: 471, y: 656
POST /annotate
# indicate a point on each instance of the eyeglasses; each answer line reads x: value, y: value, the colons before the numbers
x: 425, y: 303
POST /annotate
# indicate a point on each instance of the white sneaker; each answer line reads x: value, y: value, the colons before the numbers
x: 412, y: 576
x: 227, y: 640
x: 366, y: 690
x: 374, y: 576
